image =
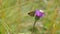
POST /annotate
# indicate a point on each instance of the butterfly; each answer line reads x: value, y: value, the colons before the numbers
x: 32, y: 13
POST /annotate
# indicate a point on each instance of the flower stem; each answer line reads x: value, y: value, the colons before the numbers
x: 33, y: 26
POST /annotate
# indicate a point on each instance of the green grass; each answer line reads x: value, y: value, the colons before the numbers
x: 15, y: 20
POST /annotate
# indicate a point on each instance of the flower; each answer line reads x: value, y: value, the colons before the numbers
x: 39, y: 13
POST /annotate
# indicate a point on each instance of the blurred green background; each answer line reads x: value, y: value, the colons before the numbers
x: 14, y: 18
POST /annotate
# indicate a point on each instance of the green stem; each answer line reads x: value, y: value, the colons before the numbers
x: 33, y: 26
x: 36, y: 19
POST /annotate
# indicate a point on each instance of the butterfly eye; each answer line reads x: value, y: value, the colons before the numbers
x: 31, y: 13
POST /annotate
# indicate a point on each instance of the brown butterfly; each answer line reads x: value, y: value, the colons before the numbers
x: 32, y: 13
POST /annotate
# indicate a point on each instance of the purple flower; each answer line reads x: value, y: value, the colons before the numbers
x: 39, y: 13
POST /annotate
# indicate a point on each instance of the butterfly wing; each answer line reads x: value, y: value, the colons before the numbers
x: 31, y: 13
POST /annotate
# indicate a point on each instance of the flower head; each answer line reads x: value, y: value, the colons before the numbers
x: 39, y: 13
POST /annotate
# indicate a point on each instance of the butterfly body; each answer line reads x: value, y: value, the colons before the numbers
x: 32, y: 13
